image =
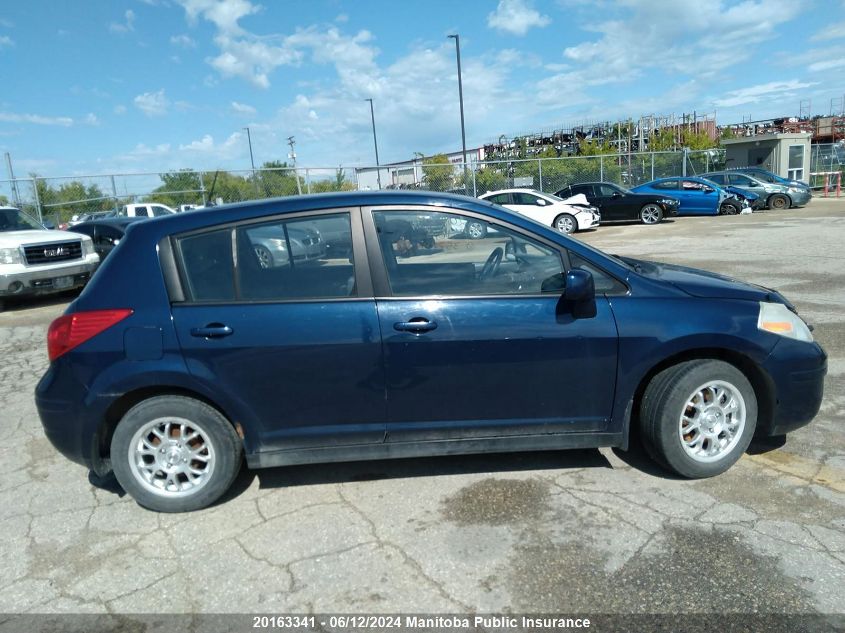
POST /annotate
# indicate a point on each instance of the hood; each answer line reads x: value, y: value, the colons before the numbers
x: 579, y: 199
x: 748, y: 195
x: 34, y: 236
x: 703, y: 283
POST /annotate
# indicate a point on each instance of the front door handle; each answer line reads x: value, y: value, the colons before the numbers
x: 212, y: 330
x: 417, y: 325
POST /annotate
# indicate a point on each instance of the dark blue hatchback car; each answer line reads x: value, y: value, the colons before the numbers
x: 376, y: 329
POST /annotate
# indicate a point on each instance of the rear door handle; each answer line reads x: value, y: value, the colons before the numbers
x: 417, y: 325
x: 212, y: 330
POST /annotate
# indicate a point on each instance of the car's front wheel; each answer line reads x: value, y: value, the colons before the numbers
x: 779, y: 201
x: 175, y: 454
x: 565, y: 223
x: 651, y: 214
x: 475, y: 230
x: 698, y: 417
x: 730, y: 208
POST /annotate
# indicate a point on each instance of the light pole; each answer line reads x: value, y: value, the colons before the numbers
x: 292, y: 156
x: 457, y: 39
x: 375, y: 142
x: 251, y: 159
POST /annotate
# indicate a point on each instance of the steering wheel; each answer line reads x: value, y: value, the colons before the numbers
x: 492, y: 264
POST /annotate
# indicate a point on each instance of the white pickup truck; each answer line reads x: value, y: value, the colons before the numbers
x: 35, y: 260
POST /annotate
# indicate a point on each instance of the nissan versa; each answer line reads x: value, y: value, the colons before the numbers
x: 185, y: 352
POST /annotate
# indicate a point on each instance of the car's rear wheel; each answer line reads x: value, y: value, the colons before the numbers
x: 175, y: 454
x: 475, y: 230
x: 779, y: 201
x: 565, y: 223
x: 729, y: 208
x: 698, y: 417
x: 651, y: 214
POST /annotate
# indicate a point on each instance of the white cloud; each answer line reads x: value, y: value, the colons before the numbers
x: 234, y: 146
x: 516, y: 17
x: 120, y: 109
x: 91, y: 119
x: 831, y: 32
x: 36, y: 119
x: 829, y: 64
x: 243, y: 108
x: 127, y: 25
x: 754, y: 94
x: 185, y: 41
x: 6, y: 41
x: 152, y: 103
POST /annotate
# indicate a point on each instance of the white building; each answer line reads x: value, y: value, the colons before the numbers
x: 408, y: 173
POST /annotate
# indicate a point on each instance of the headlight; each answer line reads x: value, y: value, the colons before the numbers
x: 667, y: 202
x: 10, y: 256
x: 794, y: 190
x: 87, y: 247
x: 778, y: 319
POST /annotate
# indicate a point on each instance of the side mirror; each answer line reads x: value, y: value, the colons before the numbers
x: 579, y: 286
x: 541, y: 203
x: 616, y: 194
x: 708, y: 189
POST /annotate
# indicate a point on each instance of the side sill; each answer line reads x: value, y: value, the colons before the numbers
x: 398, y: 450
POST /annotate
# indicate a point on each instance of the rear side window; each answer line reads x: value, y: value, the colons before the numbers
x: 666, y: 184
x: 502, y: 198
x: 141, y: 212
x: 207, y: 266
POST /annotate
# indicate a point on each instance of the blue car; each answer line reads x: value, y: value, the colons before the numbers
x: 697, y: 195
x: 185, y: 354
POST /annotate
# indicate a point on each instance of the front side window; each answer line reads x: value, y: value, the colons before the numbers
x: 607, y: 190
x: 740, y: 181
x: 436, y: 254
x: 719, y: 179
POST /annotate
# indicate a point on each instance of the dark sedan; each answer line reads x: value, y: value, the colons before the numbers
x: 105, y: 231
x: 617, y: 203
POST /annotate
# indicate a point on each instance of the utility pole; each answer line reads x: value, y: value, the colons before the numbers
x: 15, y: 192
x: 375, y: 142
x: 457, y: 39
x: 292, y: 156
x: 251, y: 160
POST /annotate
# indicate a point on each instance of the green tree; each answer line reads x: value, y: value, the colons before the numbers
x: 277, y: 178
x: 179, y: 187
x: 438, y: 173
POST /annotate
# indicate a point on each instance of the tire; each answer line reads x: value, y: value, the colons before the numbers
x: 729, y: 208
x: 668, y: 409
x: 216, y: 454
x: 264, y: 256
x: 779, y: 201
x: 651, y: 214
x: 565, y: 223
x: 2, y: 305
x: 475, y: 230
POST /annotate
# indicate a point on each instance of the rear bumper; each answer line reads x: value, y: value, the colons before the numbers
x: 797, y: 370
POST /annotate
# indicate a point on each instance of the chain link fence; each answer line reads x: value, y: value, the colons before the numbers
x: 826, y: 161
x: 58, y: 200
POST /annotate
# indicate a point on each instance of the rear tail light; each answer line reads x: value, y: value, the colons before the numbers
x: 71, y: 330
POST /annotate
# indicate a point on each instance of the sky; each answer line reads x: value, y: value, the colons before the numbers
x: 125, y: 86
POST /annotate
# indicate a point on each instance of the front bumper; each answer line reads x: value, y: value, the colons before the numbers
x: 587, y: 220
x: 800, y: 198
x: 797, y: 370
x: 18, y: 280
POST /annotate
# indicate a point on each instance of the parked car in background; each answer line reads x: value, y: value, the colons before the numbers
x: 105, y: 232
x: 771, y: 195
x: 767, y: 176
x: 617, y: 203
x: 529, y: 340
x: 564, y: 215
x: 145, y: 210
x: 273, y: 245
x: 696, y: 195
x: 188, y: 207
x: 36, y: 260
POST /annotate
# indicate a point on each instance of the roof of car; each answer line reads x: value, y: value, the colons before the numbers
x: 512, y: 190
x: 119, y: 221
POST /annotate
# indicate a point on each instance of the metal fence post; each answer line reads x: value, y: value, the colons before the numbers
x: 652, y: 165
x: 540, y: 170
x: 474, y: 187
x: 684, y: 156
x: 307, y: 180
x: 37, y: 199
x: 114, y: 192
x: 202, y: 190
x: 601, y: 167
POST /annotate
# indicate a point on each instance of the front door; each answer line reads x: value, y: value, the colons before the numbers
x: 474, y: 347
x: 613, y: 205
x: 288, y: 331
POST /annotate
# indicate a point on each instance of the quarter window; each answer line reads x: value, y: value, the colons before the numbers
x: 207, y: 266
x: 435, y: 254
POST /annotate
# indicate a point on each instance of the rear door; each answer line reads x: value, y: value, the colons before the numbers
x: 295, y: 338
x: 474, y: 347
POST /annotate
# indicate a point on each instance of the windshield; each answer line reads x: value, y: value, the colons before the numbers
x: 16, y: 220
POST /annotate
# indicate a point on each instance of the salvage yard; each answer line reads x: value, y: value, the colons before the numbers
x: 598, y: 531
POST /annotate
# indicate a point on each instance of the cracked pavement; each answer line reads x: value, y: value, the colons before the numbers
x: 599, y: 531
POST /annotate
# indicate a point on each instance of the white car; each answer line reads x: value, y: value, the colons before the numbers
x: 35, y: 260
x: 145, y: 210
x: 567, y: 216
